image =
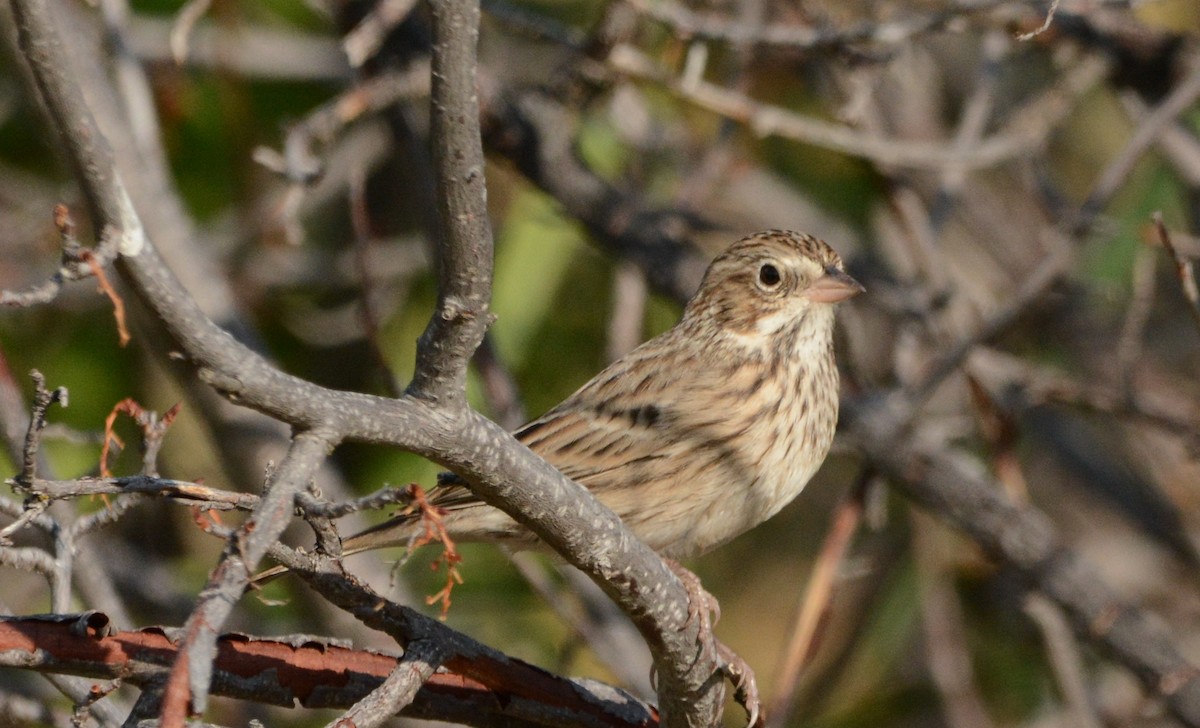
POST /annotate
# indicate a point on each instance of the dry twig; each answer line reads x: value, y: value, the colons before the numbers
x: 817, y: 601
x: 1183, y: 269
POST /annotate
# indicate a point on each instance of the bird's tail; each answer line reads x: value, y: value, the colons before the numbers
x: 396, y: 531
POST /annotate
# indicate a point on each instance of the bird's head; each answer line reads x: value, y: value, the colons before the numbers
x: 772, y: 281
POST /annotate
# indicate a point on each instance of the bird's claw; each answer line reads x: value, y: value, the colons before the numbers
x: 745, y: 687
x: 704, y: 607
x: 701, y: 604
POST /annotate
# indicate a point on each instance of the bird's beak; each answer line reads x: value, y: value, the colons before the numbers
x: 832, y: 287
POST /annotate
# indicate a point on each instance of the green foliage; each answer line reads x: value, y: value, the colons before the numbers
x: 535, y: 252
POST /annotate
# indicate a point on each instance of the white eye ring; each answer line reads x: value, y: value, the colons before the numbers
x: 769, y: 276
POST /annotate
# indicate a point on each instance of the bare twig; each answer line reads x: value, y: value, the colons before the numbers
x: 185, y: 23
x: 1129, y: 345
x: 380, y: 499
x: 1149, y: 130
x: 687, y: 23
x: 77, y: 263
x: 766, y: 120
x: 132, y: 98
x: 499, y: 386
x: 1065, y: 658
x: 1183, y: 269
x: 1045, y: 23
x: 1032, y: 385
x: 249, y: 50
x: 1180, y: 146
x: 299, y: 162
x: 628, y: 311
x: 972, y: 123
x: 817, y: 601
x: 103, y: 517
x: 192, y: 669
x: 32, y: 512
x: 1030, y: 290
x: 537, y: 133
x: 945, y: 633
x: 42, y: 401
x: 593, y: 618
x: 421, y: 659
x: 998, y: 429
x: 365, y: 39
x: 186, y: 492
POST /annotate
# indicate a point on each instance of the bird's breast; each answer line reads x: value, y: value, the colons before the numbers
x: 776, y: 427
x: 794, y: 431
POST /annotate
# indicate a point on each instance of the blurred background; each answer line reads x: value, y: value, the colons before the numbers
x: 988, y: 169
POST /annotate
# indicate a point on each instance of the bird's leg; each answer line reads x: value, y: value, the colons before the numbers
x: 745, y: 687
x: 701, y: 604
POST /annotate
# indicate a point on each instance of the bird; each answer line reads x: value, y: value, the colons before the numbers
x: 701, y: 433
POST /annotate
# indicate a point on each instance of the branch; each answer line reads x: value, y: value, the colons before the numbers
x: 948, y: 484
x: 182, y: 490
x: 817, y: 601
x: 1149, y: 130
x: 687, y: 24
x: 1022, y: 136
x: 414, y: 669
x: 312, y: 672
x: 1183, y: 270
x: 192, y: 669
x: 465, y: 268
x: 366, y: 38
x: 77, y: 263
x: 42, y: 400
x: 264, y: 52
x: 299, y: 162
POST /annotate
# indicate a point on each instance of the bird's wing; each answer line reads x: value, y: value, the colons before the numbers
x: 586, y: 445
x: 452, y: 493
x: 617, y: 430
x: 593, y: 444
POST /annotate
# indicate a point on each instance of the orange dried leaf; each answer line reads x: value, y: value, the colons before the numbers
x: 107, y: 289
x: 433, y: 528
x: 130, y: 407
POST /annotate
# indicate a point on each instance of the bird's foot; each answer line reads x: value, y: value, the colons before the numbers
x: 704, y: 606
x: 745, y: 687
x: 701, y: 604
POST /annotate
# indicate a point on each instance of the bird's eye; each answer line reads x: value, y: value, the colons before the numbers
x: 769, y: 276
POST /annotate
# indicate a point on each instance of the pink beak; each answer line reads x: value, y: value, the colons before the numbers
x: 832, y: 287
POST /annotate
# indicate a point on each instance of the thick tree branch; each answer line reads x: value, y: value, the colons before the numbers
x: 534, y: 694
x: 316, y: 674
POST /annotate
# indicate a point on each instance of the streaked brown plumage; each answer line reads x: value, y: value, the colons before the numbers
x: 705, y: 431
